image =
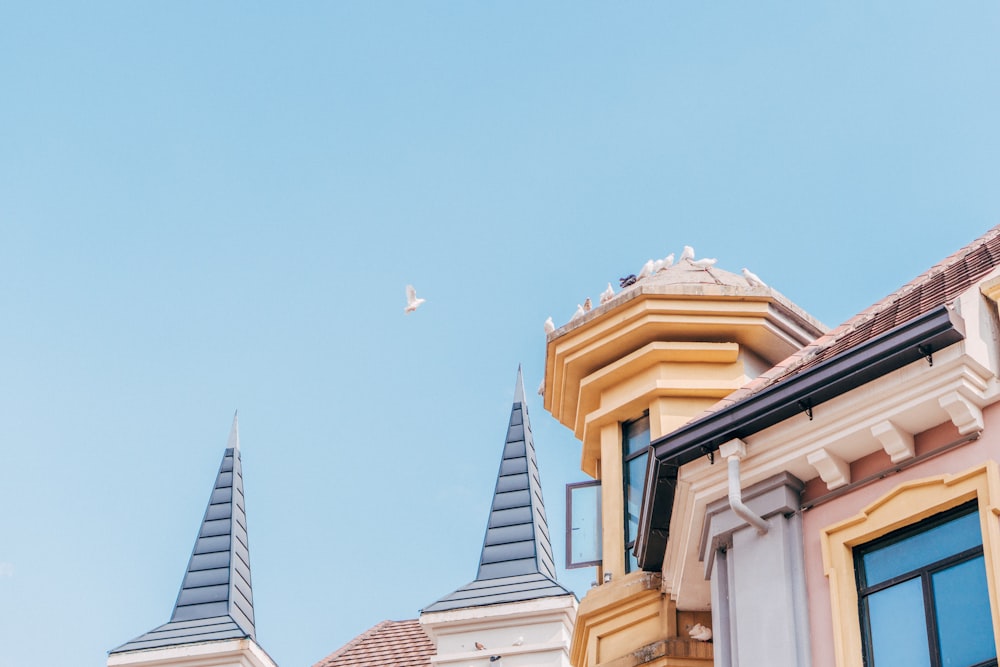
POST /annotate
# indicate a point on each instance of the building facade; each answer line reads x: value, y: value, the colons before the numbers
x: 836, y: 506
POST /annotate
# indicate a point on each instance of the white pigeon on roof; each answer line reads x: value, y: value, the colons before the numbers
x: 412, y: 302
x: 580, y: 312
x: 700, y: 632
x: 688, y: 254
x: 587, y: 305
x: 704, y: 263
x: 607, y: 294
x: 753, y: 278
x: 665, y: 263
x: 549, y: 326
x: 647, y: 270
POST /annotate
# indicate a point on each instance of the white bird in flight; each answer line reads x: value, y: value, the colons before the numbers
x: 607, y: 294
x: 549, y: 326
x: 753, y: 278
x: 412, y: 302
x: 688, y: 254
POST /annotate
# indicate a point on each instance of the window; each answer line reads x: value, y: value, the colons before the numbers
x: 583, y: 524
x: 923, y: 596
x: 908, y: 509
x: 635, y: 451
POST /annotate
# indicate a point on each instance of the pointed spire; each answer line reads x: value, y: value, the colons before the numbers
x: 519, y: 387
x: 216, y: 598
x: 516, y: 563
x: 234, y: 432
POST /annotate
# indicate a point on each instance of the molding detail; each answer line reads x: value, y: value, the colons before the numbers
x: 965, y: 414
x: 904, y: 505
x: 832, y: 469
x: 897, y: 442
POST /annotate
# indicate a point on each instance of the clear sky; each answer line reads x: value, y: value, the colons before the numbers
x: 215, y: 206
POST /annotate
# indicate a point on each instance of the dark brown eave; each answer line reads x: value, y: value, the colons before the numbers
x: 915, y: 339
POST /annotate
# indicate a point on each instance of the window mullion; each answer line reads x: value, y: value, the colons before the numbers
x: 933, y: 643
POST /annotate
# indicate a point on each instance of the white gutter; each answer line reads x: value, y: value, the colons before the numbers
x: 733, y: 451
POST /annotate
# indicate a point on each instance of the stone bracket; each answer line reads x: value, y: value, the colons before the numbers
x: 896, y: 442
x: 832, y: 469
x: 965, y: 415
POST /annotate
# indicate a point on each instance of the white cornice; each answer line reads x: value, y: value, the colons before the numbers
x: 227, y: 653
x: 882, y: 414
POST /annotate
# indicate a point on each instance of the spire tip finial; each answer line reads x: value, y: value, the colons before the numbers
x: 519, y: 387
x: 234, y: 433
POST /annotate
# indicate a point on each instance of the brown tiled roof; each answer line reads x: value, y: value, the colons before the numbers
x: 937, y: 286
x: 388, y: 644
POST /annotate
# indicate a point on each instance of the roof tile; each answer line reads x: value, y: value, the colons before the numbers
x: 937, y: 286
x: 390, y: 643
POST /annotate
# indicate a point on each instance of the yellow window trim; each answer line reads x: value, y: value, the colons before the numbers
x: 906, y: 504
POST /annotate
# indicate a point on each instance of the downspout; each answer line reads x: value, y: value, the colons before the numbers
x: 733, y: 451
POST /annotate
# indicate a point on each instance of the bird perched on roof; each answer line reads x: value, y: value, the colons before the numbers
x: 688, y: 254
x: 412, y: 302
x: 647, y: 270
x: 578, y: 314
x: 753, y: 278
x: 549, y: 326
x: 700, y: 632
x: 607, y: 295
x: 587, y: 305
x: 704, y: 263
x: 541, y: 387
x: 665, y: 263
x: 627, y: 280
x: 480, y: 646
x: 518, y: 641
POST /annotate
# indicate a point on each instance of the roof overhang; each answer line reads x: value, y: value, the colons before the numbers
x: 913, y: 340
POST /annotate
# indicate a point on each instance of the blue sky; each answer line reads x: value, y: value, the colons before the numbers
x: 207, y: 207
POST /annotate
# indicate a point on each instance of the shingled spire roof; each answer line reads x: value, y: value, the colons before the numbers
x: 516, y: 562
x: 216, y: 600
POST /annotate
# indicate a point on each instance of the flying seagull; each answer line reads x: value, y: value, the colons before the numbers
x: 688, y: 254
x: 753, y: 278
x: 412, y: 302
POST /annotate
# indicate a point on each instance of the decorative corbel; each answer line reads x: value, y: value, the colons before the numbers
x: 832, y: 469
x: 965, y: 415
x: 896, y: 442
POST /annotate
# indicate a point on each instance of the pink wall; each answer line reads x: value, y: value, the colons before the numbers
x: 814, y: 520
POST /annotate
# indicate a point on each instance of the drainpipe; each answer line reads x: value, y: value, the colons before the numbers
x: 733, y: 451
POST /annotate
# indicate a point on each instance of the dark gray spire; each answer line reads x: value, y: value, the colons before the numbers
x: 516, y: 562
x: 216, y: 599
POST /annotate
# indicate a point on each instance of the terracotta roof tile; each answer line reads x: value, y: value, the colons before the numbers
x: 939, y: 285
x: 388, y: 644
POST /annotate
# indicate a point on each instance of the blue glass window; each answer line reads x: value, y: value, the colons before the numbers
x: 923, y: 596
x: 635, y: 451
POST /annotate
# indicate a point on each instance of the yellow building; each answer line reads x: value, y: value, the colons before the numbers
x: 773, y: 494
x: 632, y: 370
